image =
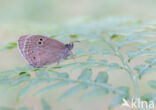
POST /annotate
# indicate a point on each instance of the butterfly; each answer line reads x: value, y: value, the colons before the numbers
x: 39, y: 50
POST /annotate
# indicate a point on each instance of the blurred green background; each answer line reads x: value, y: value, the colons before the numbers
x: 18, y: 17
x: 62, y: 10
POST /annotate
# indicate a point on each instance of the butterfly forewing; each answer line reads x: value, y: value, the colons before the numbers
x: 40, y: 50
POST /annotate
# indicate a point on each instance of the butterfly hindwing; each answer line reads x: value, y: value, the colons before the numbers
x: 21, y: 42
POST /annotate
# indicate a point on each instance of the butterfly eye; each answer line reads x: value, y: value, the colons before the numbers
x: 41, y: 39
x: 34, y: 57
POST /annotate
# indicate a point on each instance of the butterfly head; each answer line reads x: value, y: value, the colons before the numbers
x: 69, y: 46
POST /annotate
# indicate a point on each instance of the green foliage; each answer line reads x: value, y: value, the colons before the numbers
x: 85, y: 75
x: 149, y: 97
x: 25, y: 90
x: 152, y: 83
x: 45, y: 105
x: 73, y: 90
x: 73, y: 36
x: 143, y: 69
x: 101, y: 42
x: 51, y: 87
x: 102, y: 77
x: 95, y: 92
x: 115, y: 101
x: 8, y: 46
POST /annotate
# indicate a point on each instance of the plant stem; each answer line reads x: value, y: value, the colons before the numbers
x: 126, y: 68
x: 101, y: 85
x: 131, y: 73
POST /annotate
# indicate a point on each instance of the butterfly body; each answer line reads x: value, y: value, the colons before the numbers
x: 40, y: 50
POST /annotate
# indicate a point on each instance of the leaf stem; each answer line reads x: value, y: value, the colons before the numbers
x: 145, y: 68
x: 126, y: 68
x: 131, y: 73
x: 101, y: 85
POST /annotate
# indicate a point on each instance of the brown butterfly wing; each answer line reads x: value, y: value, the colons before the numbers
x: 40, y: 50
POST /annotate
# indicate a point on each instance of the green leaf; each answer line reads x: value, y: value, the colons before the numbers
x: 24, y: 74
x: 136, y: 37
x: 148, y: 70
x: 144, y: 69
x: 45, y: 105
x: 139, y: 68
x: 73, y: 90
x: 52, y: 36
x: 130, y: 41
x: 63, y: 75
x: 102, y: 77
x: 85, y: 75
x: 26, y: 89
x: 150, y: 46
x: 133, y: 54
x: 116, y: 36
x: 73, y: 36
x: 152, y: 83
x: 12, y: 44
x: 114, y: 66
x: 102, y: 63
x: 149, y: 97
x: 151, y: 61
x: 124, y: 91
x: 51, y: 87
x: 8, y: 46
x: 95, y: 92
x: 118, y: 99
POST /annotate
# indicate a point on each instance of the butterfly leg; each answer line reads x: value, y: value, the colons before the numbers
x: 72, y: 56
x: 58, y: 62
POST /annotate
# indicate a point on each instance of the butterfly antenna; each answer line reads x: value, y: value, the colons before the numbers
x: 77, y: 41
